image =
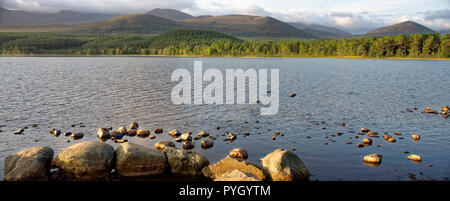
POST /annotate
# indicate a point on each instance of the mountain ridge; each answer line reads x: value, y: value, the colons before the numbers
x: 406, y: 27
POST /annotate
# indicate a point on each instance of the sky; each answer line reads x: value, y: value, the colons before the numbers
x: 357, y: 16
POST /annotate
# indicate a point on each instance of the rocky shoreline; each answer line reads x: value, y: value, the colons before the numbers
x: 98, y: 161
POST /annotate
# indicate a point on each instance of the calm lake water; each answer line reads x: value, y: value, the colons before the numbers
x: 56, y: 92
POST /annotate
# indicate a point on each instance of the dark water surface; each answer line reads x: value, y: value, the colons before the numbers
x: 56, y: 92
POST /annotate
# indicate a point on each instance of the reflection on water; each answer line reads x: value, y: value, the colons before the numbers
x: 81, y: 95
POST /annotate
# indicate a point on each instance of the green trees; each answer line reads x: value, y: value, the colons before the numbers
x: 208, y: 43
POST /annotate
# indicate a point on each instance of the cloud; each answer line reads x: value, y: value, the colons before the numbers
x: 352, y: 16
x: 104, y: 6
x: 437, y: 14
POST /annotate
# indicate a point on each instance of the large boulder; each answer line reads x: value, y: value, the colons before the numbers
x: 86, y: 161
x: 228, y: 164
x: 187, y: 163
x: 136, y: 160
x: 282, y: 165
x: 31, y: 164
x: 236, y: 175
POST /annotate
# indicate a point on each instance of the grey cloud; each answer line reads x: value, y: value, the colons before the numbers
x: 437, y: 14
x: 102, y: 6
x: 341, y: 14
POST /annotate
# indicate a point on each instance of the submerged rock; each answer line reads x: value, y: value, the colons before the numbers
x: 174, y: 132
x: 228, y: 164
x: 122, y: 130
x: 134, y: 125
x: 31, y: 164
x: 232, y: 136
x: 77, y: 136
x: 103, y: 134
x: 187, y: 163
x: 131, y: 132
x: 445, y: 108
x: 203, y: 134
x: 239, y: 153
x: 188, y: 145
x: 136, y: 160
x: 186, y: 137
x: 283, y: 165
x: 86, y: 161
x: 392, y: 140
x: 158, y: 130
x: 236, y: 175
x: 430, y: 111
x: 163, y: 144
x: 142, y: 133
x: 206, y: 144
x: 116, y: 135
x: 367, y: 141
x: 20, y: 131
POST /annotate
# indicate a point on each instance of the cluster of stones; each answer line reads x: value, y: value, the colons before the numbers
x: 375, y: 159
x: 21, y: 130
x: 74, y: 136
x: 117, y: 135
x: 445, y: 111
x: 97, y: 161
x: 187, y: 140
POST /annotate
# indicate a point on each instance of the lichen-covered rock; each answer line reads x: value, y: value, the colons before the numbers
x: 136, y: 160
x: 86, y: 161
x: 31, y: 164
x: 228, y: 164
x: 187, y: 163
x: 236, y: 175
x: 283, y: 165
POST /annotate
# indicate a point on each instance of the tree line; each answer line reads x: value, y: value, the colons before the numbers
x: 206, y: 43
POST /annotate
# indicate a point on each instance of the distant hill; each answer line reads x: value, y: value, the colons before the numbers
x: 169, y: 14
x: 321, y: 31
x: 235, y: 25
x: 135, y: 23
x: 15, y: 17
x: 246, y: 25
x: 407, y: 27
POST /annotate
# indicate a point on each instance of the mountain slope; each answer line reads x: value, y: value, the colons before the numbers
x: 169, y: 14
x: 135, y: 23
x: 9, y: 17
x: 407, y: 27
x: 245, y: 25
x: 321, y: 31
x: 235, y: 25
